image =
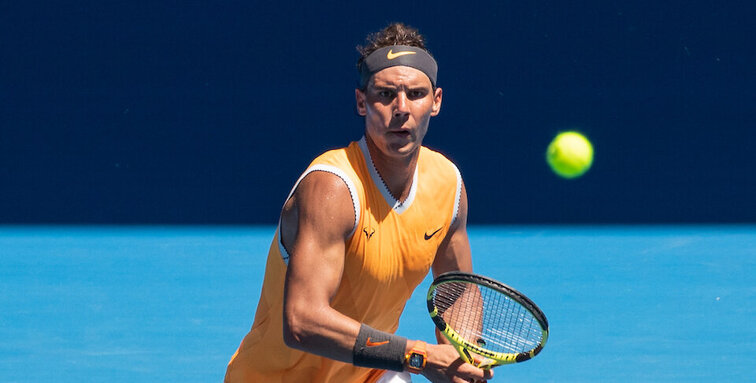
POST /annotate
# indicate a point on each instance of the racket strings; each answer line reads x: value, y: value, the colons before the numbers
x: 487, y: 317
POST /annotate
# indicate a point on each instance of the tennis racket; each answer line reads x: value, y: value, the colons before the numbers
x: 488, y: 322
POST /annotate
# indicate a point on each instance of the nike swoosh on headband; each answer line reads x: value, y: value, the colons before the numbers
x: 391, y: 55
x: 405, y: 55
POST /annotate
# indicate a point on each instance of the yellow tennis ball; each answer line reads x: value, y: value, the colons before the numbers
x: 570, y: 154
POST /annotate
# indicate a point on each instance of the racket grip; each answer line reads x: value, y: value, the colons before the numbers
x: 465, y: 355
x: 482, y: 363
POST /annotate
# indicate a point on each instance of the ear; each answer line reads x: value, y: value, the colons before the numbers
x: 359, y: 97
x: 437, y: 97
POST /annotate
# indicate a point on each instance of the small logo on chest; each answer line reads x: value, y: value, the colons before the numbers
x: 369, y: 231
x: 429, y: 236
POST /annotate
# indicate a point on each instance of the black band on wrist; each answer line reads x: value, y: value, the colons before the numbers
x: 378, y: 349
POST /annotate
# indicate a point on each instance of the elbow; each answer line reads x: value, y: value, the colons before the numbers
x: 295, y: 333
x: 291, y: 336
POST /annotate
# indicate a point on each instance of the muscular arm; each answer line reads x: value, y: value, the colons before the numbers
x: 314, y: 225
x: 453, y: 254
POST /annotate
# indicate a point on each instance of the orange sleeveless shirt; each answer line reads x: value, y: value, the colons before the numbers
x: 388, y: 254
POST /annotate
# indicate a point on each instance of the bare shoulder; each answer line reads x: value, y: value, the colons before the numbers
x: 320, y: 201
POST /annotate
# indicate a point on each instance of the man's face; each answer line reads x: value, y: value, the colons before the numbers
x: 398, y: 103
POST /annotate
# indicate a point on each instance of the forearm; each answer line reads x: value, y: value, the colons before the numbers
x: 320, y: 330
x: 335, y: 336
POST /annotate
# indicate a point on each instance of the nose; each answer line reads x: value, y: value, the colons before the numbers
x: 401, y: 106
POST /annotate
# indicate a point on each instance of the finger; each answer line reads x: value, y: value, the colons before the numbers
x: 483, y: 363
x: 475, y: 375
x: 486, y: 365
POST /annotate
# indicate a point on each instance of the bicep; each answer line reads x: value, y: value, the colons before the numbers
x: 314, y: 225
x: 454, y: 253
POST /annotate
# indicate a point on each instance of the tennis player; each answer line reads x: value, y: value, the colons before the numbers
x: 360, y: 230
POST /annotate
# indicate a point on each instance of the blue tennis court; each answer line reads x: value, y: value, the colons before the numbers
x: 170, y: 304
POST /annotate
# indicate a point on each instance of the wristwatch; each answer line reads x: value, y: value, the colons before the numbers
x: 415, y: 358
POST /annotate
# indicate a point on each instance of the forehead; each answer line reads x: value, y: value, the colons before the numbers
x: 401, y: 76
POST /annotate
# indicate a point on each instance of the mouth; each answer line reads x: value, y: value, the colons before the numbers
x: 402, y: 135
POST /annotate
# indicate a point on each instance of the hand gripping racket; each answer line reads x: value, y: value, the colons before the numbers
x: 488, y: 322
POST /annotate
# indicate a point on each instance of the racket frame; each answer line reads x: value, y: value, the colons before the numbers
x: 463, y: 346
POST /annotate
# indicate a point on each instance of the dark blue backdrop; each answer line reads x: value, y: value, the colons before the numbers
x: 206, y: 112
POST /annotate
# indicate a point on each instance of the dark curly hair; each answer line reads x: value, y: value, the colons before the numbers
x: 393, y: 34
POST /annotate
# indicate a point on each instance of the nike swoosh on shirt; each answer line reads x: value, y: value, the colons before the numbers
x: 391, y: 55
x: 429, y: 236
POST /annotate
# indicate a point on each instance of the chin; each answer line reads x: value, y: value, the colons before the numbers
x: 403, y: 150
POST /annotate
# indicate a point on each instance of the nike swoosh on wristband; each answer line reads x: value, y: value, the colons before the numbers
x: 391, y: 55
x: 373, y: 344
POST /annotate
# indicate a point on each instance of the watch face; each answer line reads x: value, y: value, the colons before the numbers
x: 416, y: 360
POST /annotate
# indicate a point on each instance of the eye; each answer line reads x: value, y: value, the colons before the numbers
x: 385, y: 93
x: 416, y: 94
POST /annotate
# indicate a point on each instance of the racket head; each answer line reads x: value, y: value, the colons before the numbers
x: 488, y: 322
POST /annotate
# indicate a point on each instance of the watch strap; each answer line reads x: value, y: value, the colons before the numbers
x: 418, y: 350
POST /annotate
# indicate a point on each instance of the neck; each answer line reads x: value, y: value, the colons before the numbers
x: 396, y: 172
